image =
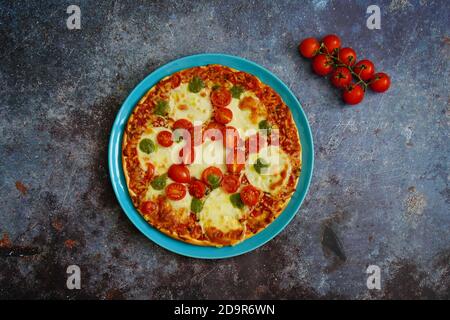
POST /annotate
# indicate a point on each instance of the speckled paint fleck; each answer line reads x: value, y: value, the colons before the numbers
x: 381, y: 180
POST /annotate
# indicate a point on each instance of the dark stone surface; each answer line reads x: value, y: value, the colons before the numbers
x: 381, y: 179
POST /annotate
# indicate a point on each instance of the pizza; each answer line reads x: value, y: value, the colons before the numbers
x: 211, y: 155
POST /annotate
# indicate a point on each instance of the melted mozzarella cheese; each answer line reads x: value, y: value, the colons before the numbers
x: 242, y: 119
x: 209, y: 153
x: 182, y: 207
x: 219, y: 212
x: 274, y: 177
x: 162, y: 157
x: 184, y: 104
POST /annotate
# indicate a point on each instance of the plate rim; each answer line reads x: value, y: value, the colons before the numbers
x: 118, y: 179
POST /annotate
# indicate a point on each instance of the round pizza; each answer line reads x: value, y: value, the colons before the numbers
x: 211, y: 155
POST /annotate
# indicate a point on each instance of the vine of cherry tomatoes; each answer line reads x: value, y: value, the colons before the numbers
x: 341, y: 64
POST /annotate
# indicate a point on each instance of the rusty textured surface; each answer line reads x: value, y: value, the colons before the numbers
x: 380, y: 191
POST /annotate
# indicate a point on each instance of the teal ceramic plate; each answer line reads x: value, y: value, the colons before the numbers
x: 118, y: 178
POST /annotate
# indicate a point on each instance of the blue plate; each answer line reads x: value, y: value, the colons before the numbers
x: 118, y: 178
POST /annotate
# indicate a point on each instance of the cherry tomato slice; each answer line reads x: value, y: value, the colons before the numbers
x: 331, y: 43
x: 150, y: 172
x: 175, y: 191
x: 179, y: 173
x: 365, y: 69
x: 164, y: 138
x: 380, y: 82
x: 214, y: 131
x: 347, y: 56
x: 223, y: 115
x: 212, y: 175
x: 250, y: 195
x: 197, y: 189
x: 196, y: 135
x: 341, y: 77
x: 182, y: 124
x: 353, y: 94
x: 231, y: 139
x: 309, y: 47
x: 230, y: 183
x: 322, y: 65
x: 149, y: 207
x: 221, y: 97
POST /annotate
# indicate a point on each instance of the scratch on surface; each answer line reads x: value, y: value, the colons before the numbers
x: 201, y: 277
x: 69, y: 186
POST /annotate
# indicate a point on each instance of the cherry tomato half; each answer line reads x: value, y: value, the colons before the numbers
x: 231, y: 139
x: 309, y: 47
x: 164, y: 138
x: 182, y: 124
x: 322, y: 65
x: 353, y: 94
x: 221, y: 97
x: 213, y: 131
x: 197, y: 189
x: 175, y: 191
x: 331, y: 43
x: 380, y: 82
x: 341, y: 77
x: 212, y: 176
x: 179, y: 173
x: 149, y: 207
x: 150, y: 172
x: 365, y: 69
x: 223, y: 115
x: 347, y: 56
x: 230, y: 183
x: 250, y: 195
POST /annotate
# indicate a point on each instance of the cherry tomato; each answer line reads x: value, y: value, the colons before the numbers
x: 214, y: 131
x: 221, y: 97
x: 341, y: 77
x: 331, y: 43
x: 212, y: 175
x: 231, y: 137
x: 230, y: 183
x: 149, y: 207
x: 347, y: 56
x: 197, y: 189
x: 196, y: 135
x: 223, y: 115
x: 380, y: 82
x: 309, y: 47
x: 182, y: 124
x: 150, y: 172
x: 175, y: 191
x: 365, y: 69
x: 165, y: 138
x: 249, y: 195
x: 322, y: 65
x: 353, y: 94
x: 179, y: 173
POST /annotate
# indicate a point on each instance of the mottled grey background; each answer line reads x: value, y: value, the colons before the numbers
x: 381, y: 179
